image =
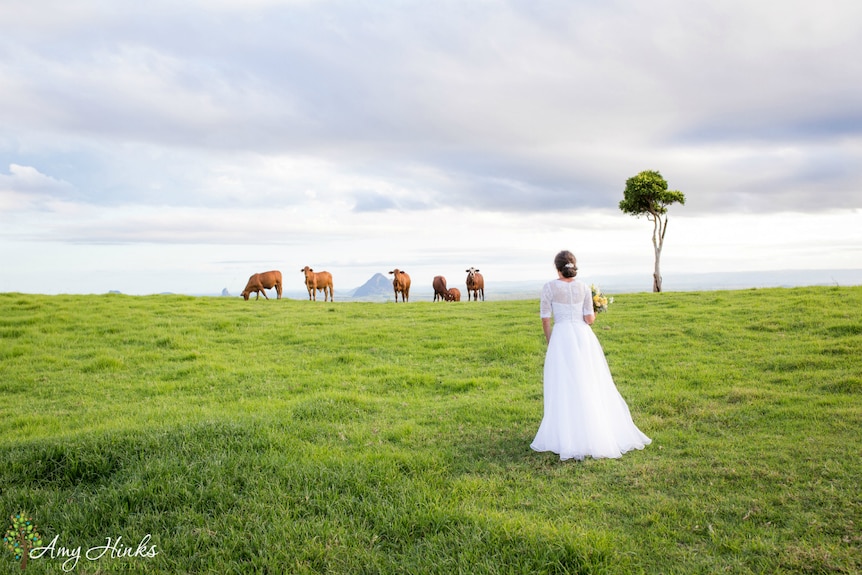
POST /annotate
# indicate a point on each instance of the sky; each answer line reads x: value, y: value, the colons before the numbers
x: 163, y: 146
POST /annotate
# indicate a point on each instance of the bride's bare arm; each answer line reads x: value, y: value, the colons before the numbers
x: 546, y: 327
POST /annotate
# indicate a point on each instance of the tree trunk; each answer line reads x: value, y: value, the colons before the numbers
x: 25, y: 549
x: 657, y: 242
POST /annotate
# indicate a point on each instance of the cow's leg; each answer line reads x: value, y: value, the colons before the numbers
x: 263, y: 291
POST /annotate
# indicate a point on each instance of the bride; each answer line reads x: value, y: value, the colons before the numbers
x: 584, y: 414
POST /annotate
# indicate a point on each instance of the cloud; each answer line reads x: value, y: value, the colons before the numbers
x: 27, y: 179
x: 198, y: 121
x: 25, y: 188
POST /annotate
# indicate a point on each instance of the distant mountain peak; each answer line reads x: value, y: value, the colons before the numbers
x: 378, y: 285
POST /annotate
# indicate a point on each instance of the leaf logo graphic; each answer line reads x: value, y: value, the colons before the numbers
x: 20, y: 537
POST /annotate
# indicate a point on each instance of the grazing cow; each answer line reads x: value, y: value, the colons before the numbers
x: 475, y: 284
x: 315, y: 281
x: 439, y: 285
x: 401, y: 284
x: 261, y: 282
x: 453, y: 294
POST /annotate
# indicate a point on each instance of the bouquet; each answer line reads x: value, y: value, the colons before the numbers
x: 600, y: 302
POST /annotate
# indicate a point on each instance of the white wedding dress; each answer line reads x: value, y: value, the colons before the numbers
x: 585, y: 415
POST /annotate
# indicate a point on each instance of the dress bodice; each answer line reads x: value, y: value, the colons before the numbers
x: 566, y: 301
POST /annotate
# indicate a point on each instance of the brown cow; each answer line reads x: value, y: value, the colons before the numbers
x: 315, y: 281
x: 401, y: 284
x: 261, y: 282
x: 453, y: 294
x: 476, y: 284
x: 439, y: 285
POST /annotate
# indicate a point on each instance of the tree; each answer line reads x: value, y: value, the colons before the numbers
x: 20, y: 537
x: 647, y: 194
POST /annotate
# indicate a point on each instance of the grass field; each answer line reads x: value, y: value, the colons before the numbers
x: 301, y: 437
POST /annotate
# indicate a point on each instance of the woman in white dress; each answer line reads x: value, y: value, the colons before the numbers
x: 585, y: 415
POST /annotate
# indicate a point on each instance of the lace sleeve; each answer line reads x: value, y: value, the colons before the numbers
x: 545, y: 304
x: 588, y: 301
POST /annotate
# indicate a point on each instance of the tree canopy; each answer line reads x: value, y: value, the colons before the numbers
x: 647, y: 194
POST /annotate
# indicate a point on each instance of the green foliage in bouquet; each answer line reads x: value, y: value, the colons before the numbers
x: 600, y: 302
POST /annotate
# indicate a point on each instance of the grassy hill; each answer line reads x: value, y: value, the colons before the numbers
x: 309, y: 437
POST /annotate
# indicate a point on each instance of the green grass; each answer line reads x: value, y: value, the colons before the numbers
x: 301, y: 437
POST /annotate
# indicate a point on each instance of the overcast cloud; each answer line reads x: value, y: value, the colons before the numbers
x: 218, y: 136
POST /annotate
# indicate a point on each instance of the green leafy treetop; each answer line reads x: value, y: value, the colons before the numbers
x: 647, y: 194
x: 20, y: 537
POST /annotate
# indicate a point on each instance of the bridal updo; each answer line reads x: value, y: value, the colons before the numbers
x: 566, y: 264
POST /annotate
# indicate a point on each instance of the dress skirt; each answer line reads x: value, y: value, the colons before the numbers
x: 584, y: 414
